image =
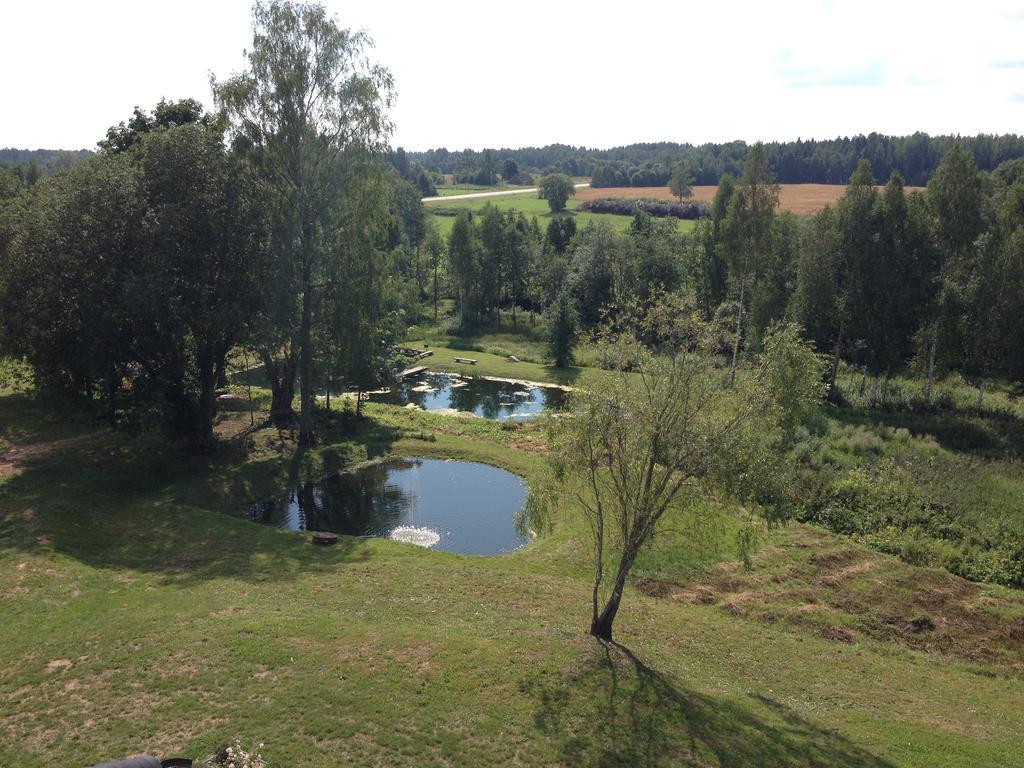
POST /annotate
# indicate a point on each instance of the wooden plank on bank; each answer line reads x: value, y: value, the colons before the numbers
x: 412, y: 371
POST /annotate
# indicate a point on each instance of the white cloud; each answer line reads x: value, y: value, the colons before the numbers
x: 600, y: 74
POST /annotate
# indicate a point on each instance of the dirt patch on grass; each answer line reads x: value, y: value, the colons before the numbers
x: 15, y: 459
x: 841, y: 592
x: 796, y: 198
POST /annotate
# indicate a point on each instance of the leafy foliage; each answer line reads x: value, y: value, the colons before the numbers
x: 658, y: 208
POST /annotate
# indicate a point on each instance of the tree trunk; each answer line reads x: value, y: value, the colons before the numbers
x: 281, y: 376
x: 248, y: 389
x: 435, y: 295
x: 307, y: 437
x: 863, y: 379
x: 835, y: 364
x: 112, y: 388
x: 207, y: 402
x: 739, y: 331
x: 933, y: 343
x: 419, y: 275
x: 601, y: 627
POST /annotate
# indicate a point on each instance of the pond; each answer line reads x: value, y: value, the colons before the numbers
x: 488, y: 398
x: 457, y: 506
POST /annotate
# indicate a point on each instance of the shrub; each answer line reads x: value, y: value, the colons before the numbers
x: 657, y: 208
x: 563, y: 330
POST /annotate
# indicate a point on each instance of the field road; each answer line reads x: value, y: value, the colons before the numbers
x: 475, y: 195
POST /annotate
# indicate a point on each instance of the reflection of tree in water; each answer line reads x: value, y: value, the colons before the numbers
x: 354, y: 503
x: 554, y: 398
x: 490, y: 399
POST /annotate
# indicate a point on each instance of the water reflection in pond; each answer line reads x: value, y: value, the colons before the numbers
x: 483, y: 397
x: 456, y: 506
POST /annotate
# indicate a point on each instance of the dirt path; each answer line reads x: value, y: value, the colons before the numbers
x: 476, y: 195
x: 13, y: 460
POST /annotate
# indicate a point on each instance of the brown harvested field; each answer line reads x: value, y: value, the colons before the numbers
x: 798, y: 198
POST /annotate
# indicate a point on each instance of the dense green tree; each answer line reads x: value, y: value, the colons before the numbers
x: 560, y: 233
x: 487, y: 174
x: 435, y: 250
x: 773, y: 287
x: 203, y: 270
x: 360, y: 301
x: 32, y: 173
x: 955, y: 192
x: 857, y: 226
x: 681, y: 182
x: 712, y: 273
x: 464, y: 262
x: 556, y: 188
x: 167, y: 114
x: 747, y: 232
x: 815, y: 301
x: 563, y: 330
x: 522, y: 244
x: 136, y: 272
x: 67, y: 278
x: 648, y: 260
x: 494, y: 243
x: 591, y: 271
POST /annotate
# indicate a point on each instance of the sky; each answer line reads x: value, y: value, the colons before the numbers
x: 472, y: 74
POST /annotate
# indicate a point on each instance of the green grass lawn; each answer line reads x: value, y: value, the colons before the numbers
x: 531, y: 205
x: 142, y: 613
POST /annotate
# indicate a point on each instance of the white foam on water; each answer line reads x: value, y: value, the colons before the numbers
x: 421, y: 537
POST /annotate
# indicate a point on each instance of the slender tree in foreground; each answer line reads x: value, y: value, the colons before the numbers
x: 659, y: 437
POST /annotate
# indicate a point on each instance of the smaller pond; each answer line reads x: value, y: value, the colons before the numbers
x: 490, y: 399
x: 457, y: 506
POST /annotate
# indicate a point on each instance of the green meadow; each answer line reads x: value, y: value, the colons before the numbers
x: 529, y: 204
x: 143, y: 612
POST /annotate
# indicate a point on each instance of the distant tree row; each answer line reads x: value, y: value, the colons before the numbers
x: 885, y: 280
x: 44, y: 162
x: 830, y: 161
x: 414, y: 172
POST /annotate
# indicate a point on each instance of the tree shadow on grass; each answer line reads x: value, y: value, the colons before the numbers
x: 141, y: 504
x: 990, y: 434
x: 618, y: 711
x: 564, y: 376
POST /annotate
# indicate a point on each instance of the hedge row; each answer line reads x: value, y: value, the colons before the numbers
x: 658, y: 208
